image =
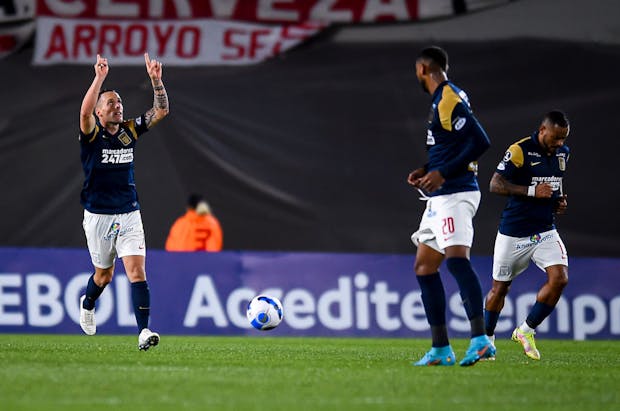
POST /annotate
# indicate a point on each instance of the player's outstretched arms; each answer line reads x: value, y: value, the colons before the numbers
x: 89, y: 102
x: 160, y: 107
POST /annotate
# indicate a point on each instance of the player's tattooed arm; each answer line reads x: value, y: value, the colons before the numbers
x: 160, y: 104
x: 160, y: 97
x: 499, y: 185
x: 160, y: 107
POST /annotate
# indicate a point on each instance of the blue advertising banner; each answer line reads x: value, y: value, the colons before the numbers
x: 323, y: 294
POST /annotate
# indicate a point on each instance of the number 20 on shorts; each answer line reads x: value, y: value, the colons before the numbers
x: 447, y: 225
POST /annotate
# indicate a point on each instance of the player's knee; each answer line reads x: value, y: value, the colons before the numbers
x: 559, y: 282
x: 494, y: 300
x: 421, y: 267
x: 135, y: 276
x: 557, y: 277
x: 500, y: 289
x: 103, y: 277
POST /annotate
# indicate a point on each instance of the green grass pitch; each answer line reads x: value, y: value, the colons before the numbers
x: 52, y: 372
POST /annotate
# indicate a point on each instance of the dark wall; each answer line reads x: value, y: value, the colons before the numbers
x: 310, y: 151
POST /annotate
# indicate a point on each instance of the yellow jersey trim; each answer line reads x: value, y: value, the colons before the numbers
x: 95, y: 131
x: 516, y: 153
x: 449, y: 100
x: 132, y: 127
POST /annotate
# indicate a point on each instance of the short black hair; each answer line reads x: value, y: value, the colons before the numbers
x: 105, y: 90
x: 436, y: 55
x: 557, y: 117
x: 194, y: 199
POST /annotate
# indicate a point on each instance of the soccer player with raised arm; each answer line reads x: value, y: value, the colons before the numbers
x: 112, y: 221
x: 454, y: 141
x: 531, y: 175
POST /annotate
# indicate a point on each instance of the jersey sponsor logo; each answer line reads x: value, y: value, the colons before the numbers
x: 554, y: 182
x: 124, y: 138
x: 535, y: 163
x: 533, y: 240
x: 116, y: 156
x: 113, y: 231
x: 125, y: 231
x: 533, y: 154
x: 459, y: 122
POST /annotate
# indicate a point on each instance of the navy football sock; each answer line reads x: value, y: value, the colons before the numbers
x: 93, y: 291
x: 141, y: 298
x: 538, y: 313
x: 471, y: 292
x: 490, y: 321
x: 434, y: 300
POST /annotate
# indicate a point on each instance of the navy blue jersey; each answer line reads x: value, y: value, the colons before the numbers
x: 107, y: 161
x: 526, y: 163
x: 455, y: 140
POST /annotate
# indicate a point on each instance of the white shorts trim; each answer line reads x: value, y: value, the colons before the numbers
x: 512, y: 255
x: 447, y: 221
x: 113, y: 235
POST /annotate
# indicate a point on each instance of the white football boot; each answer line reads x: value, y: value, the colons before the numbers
x: 147, y: 339
x: 87, y: 318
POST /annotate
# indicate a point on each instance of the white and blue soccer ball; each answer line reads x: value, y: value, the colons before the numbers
x: 265, y: 312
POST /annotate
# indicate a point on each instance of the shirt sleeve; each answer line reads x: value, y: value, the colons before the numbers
x: 513, y: 160
x: 138, y: 126
x: 90, y: 137
x: 475, y: 141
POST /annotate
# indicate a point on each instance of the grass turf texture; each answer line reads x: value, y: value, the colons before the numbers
x: 51, y: 372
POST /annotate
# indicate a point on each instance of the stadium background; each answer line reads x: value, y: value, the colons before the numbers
x: 309, y: 150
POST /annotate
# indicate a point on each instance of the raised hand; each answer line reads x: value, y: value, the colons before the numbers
x: 153, y: 67
x: 101, y: 67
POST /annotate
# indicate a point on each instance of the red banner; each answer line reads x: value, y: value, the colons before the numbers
x: 204, y: 32
x: 265, y: 11
x: 174, y: 42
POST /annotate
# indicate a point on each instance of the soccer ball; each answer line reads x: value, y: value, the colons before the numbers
x: 265, y: 312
